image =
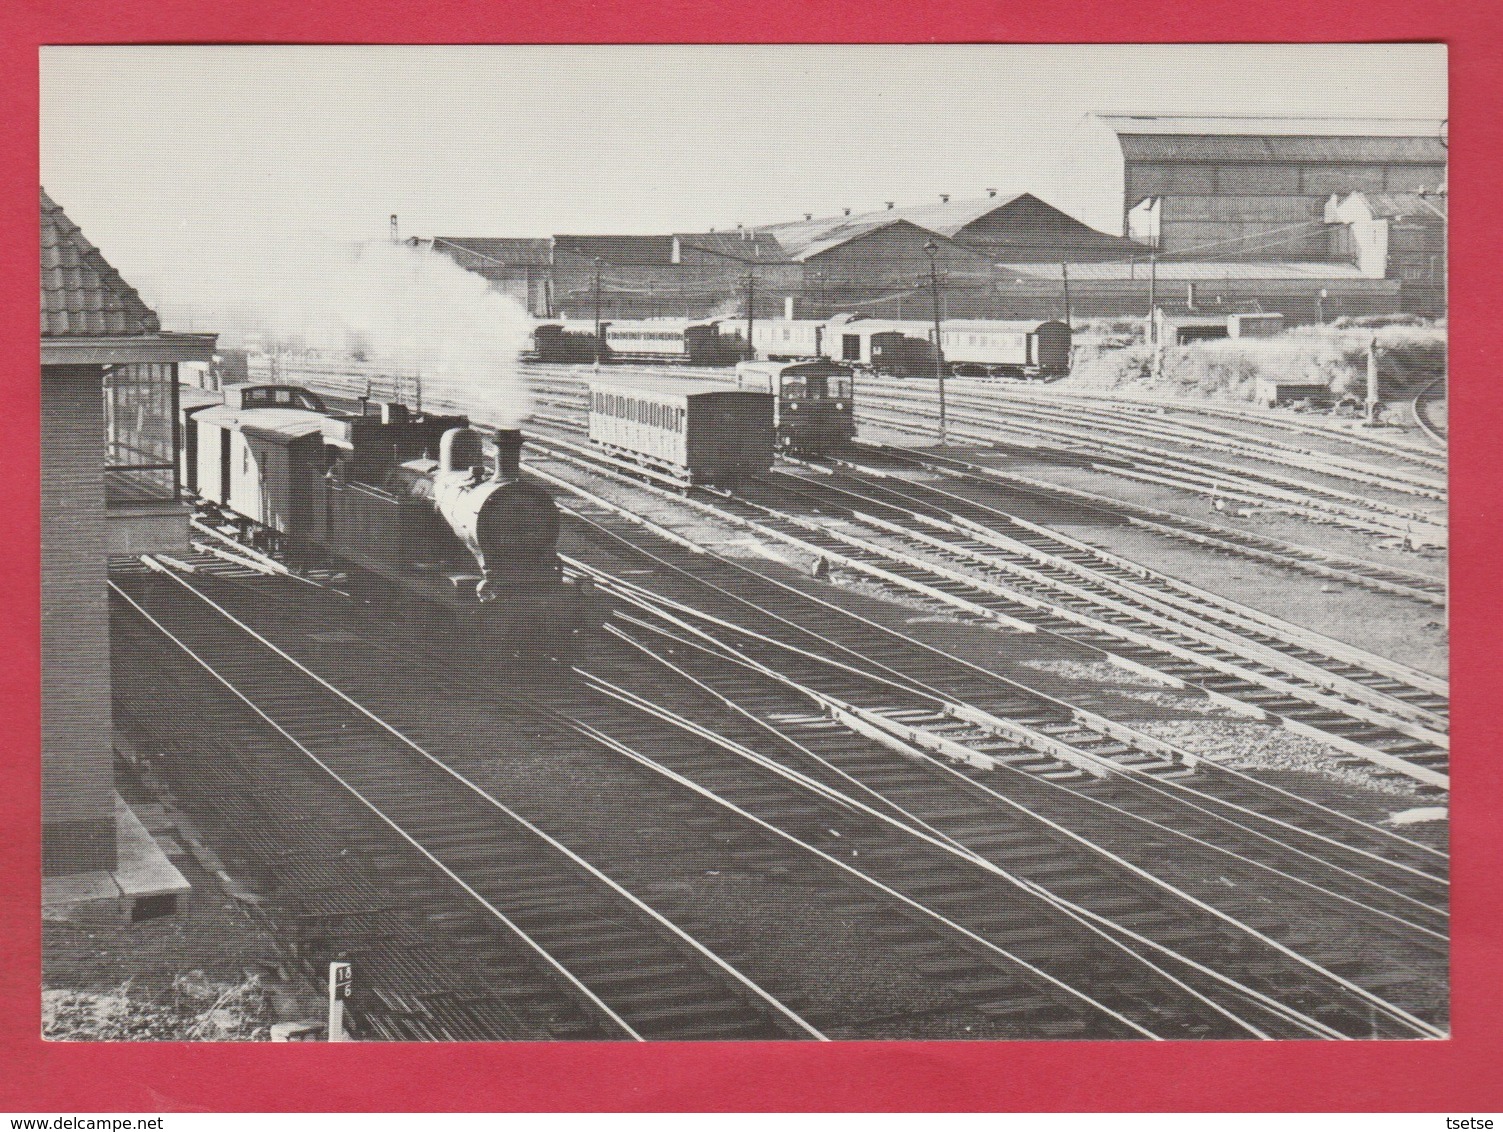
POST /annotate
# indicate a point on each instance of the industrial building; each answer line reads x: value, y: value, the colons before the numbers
x: 108, y: 486
x: 1316, y: 218
x: 1252, y: 187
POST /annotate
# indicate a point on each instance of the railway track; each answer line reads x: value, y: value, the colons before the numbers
x: 1402, y: 470
x: 1172, y: 977
x: 992, y: 537
x: 1217, y: 538
x: 1058, y: 728
x: 1151, y: 464
x: 560, y: 394
x: 1001, y: 999
x: 1431, y: 421
x: 635, y: 972
x: 952, y: 575
x: 1368, y: 709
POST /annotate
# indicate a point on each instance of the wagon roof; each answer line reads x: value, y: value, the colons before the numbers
x: 272, y: 424
x: 664, y: 388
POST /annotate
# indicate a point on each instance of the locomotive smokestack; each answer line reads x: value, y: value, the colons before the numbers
x: 508, y: 453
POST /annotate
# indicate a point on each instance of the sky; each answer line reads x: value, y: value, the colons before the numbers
x: 173, y: 159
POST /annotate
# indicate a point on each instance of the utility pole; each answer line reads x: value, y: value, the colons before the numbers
x: 751, y: 311
x: 1153, y: 296
x: 939, y: 353
x: 599, y: 336
x: 1064, y: 274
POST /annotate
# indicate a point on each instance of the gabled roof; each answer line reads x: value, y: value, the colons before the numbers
x: 944, y: 218
x: 82, y: 295
x: 478, y: 253
x: 960, y: 221
x: 746, y: 245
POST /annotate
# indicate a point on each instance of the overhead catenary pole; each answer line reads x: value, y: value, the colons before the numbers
x: 939, y: 352
x: 1064, y: 274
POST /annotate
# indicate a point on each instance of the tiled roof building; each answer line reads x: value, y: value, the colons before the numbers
x: 82, y: 295
x: 108, y: 400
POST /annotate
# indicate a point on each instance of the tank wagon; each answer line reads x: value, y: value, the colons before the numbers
x: 403, y: 501
x: 695, y: 431
x: 813, y: 410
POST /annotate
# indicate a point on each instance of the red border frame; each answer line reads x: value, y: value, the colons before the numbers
x: 1437, y: 1076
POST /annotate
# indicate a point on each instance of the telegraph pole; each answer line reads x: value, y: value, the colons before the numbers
x: 599, y: 343
x: 751, y: 310
x: 1064, y: 274
x: 939, y: 353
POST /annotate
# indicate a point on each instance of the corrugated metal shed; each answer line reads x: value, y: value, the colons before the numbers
x: 82, y: 295
x: 1202, y: 148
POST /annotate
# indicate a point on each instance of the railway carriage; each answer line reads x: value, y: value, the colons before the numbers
x: 904, y: 347
x: 697, y: 431
x: 699, y: 342
x: 813, y: 410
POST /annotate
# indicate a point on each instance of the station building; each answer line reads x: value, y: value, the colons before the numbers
x: 108, y: 486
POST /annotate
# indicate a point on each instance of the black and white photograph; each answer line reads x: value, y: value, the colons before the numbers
x: 744, y: 543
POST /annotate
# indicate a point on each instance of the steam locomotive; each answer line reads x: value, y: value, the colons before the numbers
x: 399, y: 500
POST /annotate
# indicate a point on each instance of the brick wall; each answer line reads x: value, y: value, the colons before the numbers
x: 78, y: 828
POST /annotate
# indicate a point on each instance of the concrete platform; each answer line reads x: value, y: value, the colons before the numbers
x: 143, y: 885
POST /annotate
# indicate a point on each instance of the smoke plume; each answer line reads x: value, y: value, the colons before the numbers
x: 413, y: 314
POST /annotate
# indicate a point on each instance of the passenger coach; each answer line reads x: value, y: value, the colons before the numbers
x: 696, y: 431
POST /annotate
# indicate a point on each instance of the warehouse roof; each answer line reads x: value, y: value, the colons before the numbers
x: 1186, y: 139
x: 620, y: 249
x: 1270, y: 125
x: 1397, y: 206
x: 479, y: 253
x: 804, y: 238
x: 744, y: 244
x: 82, y: 295
x: 1034, y: 223
x: 1182, y: 271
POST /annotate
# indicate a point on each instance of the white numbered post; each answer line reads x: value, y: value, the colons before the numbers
x: 341, y: 981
